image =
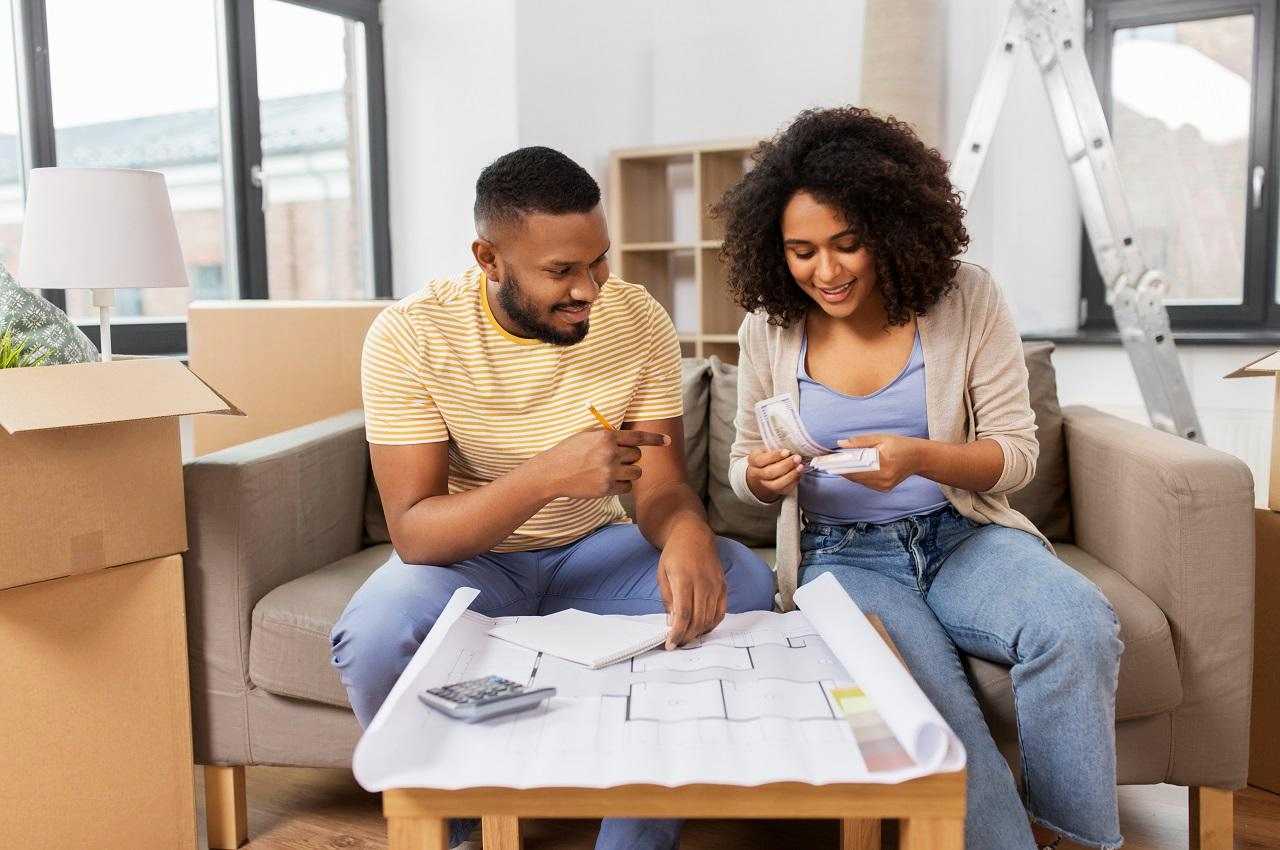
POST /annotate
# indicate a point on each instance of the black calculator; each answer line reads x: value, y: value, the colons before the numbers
x: 480, y: 699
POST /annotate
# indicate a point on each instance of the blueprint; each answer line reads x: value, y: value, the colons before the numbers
x: 811, y: 695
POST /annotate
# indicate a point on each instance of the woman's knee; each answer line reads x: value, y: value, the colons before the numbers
x: 1085, y: 627
x: 750, y: 581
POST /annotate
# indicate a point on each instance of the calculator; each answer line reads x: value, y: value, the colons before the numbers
x: 480, y: 699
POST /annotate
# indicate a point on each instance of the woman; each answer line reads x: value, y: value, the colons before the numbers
x: 841, y: 243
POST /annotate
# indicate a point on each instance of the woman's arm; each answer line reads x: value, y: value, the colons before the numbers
x: 755, y: 383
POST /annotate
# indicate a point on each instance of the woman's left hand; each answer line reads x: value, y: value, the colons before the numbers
x: 900, y: 458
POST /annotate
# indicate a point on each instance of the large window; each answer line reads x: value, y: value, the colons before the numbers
x: 1187, y: 86
x: 267, y: 118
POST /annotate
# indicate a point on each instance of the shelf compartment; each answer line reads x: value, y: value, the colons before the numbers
x: 670, y: 276
x: 717, y: 171
x: 656, y: 199
x: 721, y: 316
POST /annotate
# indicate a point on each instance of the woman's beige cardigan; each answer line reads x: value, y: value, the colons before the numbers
x: 975, y: 388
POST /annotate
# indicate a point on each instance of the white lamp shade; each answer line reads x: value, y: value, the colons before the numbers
x: 99, y: 228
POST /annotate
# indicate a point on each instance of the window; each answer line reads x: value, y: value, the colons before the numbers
x: 267, y: 118
x: 1187, y: 87
x: 111, y: 109
x: 316, y: 207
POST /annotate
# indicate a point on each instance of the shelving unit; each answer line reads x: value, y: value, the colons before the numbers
x: 660, y: 203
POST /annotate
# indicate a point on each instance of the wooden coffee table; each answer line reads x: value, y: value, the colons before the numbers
x: 931, y: 809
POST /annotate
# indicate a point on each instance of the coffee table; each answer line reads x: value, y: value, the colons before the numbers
x: 930, y: 809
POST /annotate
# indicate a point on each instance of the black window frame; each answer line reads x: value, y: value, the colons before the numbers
x: 1257, y: 310
x: 242, y: 143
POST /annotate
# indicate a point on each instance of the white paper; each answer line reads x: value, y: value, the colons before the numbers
x: 593, y: 640
x: 749, y: 703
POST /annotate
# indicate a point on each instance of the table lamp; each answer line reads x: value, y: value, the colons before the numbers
x: 100, y: 229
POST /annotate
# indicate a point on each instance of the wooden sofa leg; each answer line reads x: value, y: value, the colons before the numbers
x: 1211, y: 818
x: 226, y: 813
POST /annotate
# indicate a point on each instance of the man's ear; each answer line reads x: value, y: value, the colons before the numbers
x: 487, y: 256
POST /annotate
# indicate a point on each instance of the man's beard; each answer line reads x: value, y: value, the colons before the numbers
x: 528, y: 319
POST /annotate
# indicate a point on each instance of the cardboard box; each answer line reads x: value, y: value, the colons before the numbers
x: 96, y: 712
x: 286, y: 363
x: 1264, y: 732
x: 91, y: 465
x: 1268, y: 367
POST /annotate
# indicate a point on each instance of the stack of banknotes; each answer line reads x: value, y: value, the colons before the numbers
x: 781, y: 429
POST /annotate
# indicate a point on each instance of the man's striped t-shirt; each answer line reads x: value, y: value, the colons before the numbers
x: 437, y: 366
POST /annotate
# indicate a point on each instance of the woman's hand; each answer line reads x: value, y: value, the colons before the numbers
x: 900, y: 458
x: 773, y: 474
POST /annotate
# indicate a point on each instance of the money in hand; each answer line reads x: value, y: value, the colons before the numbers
x: 782, y: 430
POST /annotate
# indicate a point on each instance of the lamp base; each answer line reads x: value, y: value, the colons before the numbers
x: 103, y: 299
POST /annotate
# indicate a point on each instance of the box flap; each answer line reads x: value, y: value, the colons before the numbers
x: 44, y: 397
x: 1262, y: 367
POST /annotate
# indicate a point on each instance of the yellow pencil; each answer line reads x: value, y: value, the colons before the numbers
x: 604, y: 423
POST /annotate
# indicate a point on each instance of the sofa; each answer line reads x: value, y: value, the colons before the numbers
x: 285, y: 528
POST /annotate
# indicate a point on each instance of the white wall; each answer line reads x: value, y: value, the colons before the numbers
x: 1024, y: 222
x: 469, y: 81
x: 451, y: 107
x: 594, y: 76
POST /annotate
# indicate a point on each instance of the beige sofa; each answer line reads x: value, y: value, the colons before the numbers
x: 285, y: 528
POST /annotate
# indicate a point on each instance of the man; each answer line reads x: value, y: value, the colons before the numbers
x: 492, y: 470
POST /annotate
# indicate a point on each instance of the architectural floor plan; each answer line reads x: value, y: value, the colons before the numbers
x: 762, y: 698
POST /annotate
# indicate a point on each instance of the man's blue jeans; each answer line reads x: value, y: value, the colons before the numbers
x: 944, y: 585
x: 613, y: 570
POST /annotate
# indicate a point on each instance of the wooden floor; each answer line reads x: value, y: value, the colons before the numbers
x: 295, y: 808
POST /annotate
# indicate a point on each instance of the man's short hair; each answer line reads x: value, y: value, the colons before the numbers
x: 532, y: 180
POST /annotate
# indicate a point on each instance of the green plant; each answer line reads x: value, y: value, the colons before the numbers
x: 14, y: 353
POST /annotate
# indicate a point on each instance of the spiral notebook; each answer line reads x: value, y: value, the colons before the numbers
x: 593, y: 640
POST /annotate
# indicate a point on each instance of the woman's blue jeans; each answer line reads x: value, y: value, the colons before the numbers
x: 944, y: 585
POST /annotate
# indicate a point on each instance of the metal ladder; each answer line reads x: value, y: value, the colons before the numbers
x: 1135, y: 292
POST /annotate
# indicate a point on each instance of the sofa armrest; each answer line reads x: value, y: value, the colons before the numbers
x: 259, y: 515
x: 1175, y: 518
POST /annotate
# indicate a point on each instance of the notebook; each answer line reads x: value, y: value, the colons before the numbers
x: 592, y: 640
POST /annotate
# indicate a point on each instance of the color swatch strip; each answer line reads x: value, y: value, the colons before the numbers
x: 880, y: 748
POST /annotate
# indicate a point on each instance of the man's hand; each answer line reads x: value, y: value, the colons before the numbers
x: 900, y: 458
x: 595, y: 463
x: 691, y: 580
x: 773, y: 473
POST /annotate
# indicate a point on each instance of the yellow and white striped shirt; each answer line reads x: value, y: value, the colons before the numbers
x: 437, y: 366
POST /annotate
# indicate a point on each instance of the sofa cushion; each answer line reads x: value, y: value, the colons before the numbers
x: 1150, y: 682
x: 1046, y: 501
x: 730, y: 516
x: 289, y: 643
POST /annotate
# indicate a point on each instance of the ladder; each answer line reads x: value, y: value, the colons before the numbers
x: 1135, y: 292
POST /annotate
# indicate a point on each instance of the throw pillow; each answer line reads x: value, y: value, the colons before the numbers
x: 46, y: 330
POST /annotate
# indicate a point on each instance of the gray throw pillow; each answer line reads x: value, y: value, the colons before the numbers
x: 1046, y: 501
x: 694, y: 392
x: 729, y: 515
x: 47, y: 331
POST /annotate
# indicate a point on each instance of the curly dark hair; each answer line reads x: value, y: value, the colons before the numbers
x: 884, y: 181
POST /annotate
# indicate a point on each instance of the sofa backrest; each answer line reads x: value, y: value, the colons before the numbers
x: 710, y: 393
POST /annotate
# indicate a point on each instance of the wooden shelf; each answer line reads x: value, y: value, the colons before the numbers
x: 660, y: 204
x: 715, y: 244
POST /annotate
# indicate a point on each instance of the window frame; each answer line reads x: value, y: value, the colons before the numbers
x: 239, y: 114
x: 1257, y: 309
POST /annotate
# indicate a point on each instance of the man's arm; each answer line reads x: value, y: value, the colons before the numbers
x: 429, y: 525
x: 672, y: 518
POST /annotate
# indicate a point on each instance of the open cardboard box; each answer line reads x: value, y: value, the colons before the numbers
x: 91, y: 464
x: 97, y: 713
x: 1264, y: 733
